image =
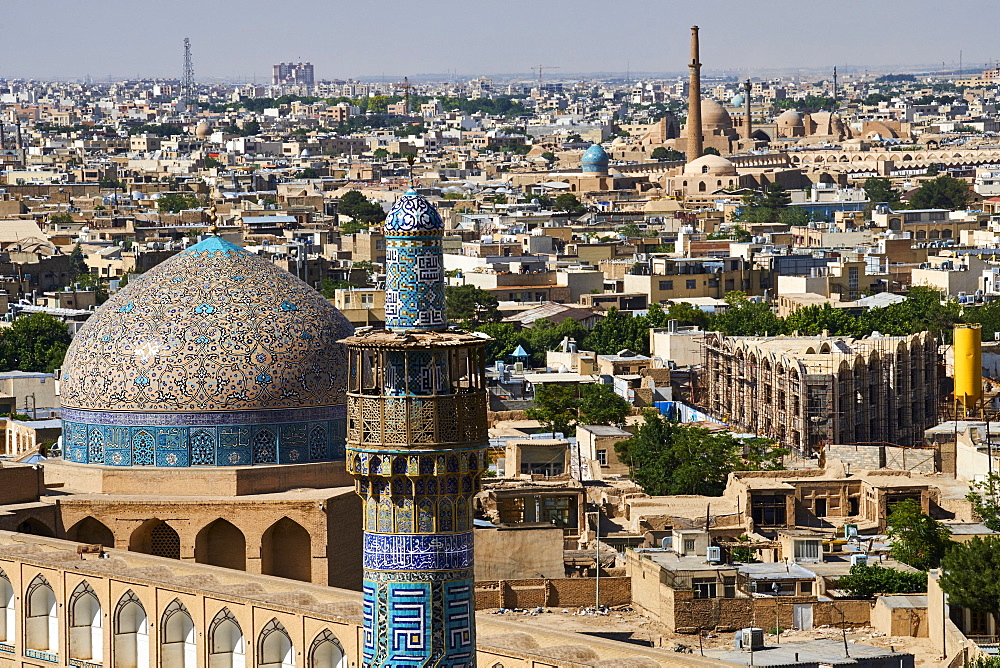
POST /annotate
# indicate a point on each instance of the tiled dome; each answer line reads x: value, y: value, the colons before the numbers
x: 214, y: 336
x: 412, y: 213
x: 595, y: 159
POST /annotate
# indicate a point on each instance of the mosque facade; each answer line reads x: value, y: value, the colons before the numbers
x: 416, y: 448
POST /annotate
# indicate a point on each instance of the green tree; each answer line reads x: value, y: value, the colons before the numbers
x: 560, y: 408
x: 470, y: 304
x: 505, y: 338
x: 670, y: 458
x: 353, y: 227
x: 354, y: 204
x: 307, y: 173
x: 766, y: 206
x: 176, y: 202
x: 985, y: 500
x: 917, y: 539
x: 665, y: 154
x: 687, y: 315
x: 549, y: 156
x: 631, y: 231
x: 329, y: 286
x: 556, y: 408
x: 762, y: 454
x: 969, y: 575
x: 380, y: 154
x: 618, y: 331
x: 211, y: 162
x: 35, y: 342
x: 711, y: 150
x: 944, y: 192
x: 743, y: 317
x: 816, y: 318
x: 744, y: 555
x: 61, y: 218
x: 600, y: 405
x: 77, y: 263
x: 880, y: 190
x: 864, y: 581
x: 569, y: 203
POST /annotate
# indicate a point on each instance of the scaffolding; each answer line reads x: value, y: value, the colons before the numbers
x: 806, y: 392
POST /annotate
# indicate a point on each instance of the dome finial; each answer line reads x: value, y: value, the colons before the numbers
x: 213, y: 218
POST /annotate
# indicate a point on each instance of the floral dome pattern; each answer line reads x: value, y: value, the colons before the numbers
x: 215, y: 338
x: 412, y: 213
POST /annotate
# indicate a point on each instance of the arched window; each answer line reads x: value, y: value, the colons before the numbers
x: 327, y: 652
x: 156, y: 537
x: 178, y: 648
x: 7, y: 619
x: 225, y: 638
x: 41, y: 626
x: 131, y: 633
x: 701, y: 187
x: 86, y: 634
x: 274, y: 647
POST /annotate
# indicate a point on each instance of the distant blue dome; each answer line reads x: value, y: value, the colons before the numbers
x: 595, y: 160
x: 738, y: 100
x: 412, y: 213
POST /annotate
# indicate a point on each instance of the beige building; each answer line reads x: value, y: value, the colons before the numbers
x: 807, y: 392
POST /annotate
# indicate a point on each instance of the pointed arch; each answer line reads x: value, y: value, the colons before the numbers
x: 35, y: 527
x: 8, y: 617
x: 41, y: 624
x: 226, y: 647
x: 221, y: 543
x: 131, y: 629
x: 327, y: 652
x: 156, y: 537
x: 91, y: 531
x: 178, y: 646
x: 274, y: 647
x: 286, y: 551
x: 86, y: 632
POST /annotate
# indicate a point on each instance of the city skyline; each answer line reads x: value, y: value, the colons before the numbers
x: 446, y: 39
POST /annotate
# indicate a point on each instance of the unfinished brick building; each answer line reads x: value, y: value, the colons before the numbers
x: 807, y: 392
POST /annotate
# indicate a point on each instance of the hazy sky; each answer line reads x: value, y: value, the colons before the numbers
x: 364, y: 38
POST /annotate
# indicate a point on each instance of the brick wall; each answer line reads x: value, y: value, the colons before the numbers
x: 564, y: 592
x: 871, y: 457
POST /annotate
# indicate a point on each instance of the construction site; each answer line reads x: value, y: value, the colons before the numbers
x: 807, y: 392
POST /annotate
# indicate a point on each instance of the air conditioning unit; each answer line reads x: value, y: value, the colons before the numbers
x: 714, y: 554
x: 859, y: 560
x: 518, y: 367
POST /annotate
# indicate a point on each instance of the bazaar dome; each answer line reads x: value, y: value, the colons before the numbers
x: 714, y: 115
x: 216, y: 357
x: 713, y: 165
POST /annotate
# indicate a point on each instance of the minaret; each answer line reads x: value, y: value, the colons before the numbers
x: 835, y: 91
x: 694, y: 130
x: 416, y: 441
x: 747, y: 87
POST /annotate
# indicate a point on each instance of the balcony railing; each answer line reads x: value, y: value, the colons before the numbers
x: 42, y: 656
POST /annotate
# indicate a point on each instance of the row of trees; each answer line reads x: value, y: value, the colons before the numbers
x: 35, y: 342
x: 922, y: 310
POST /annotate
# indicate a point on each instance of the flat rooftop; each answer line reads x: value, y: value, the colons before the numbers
x: 829, y: 652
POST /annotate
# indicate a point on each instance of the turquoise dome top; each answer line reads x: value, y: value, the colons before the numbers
x: 412, y: 213
x: 595, y: 159
x: 738, y: 100
x: 214, y: 328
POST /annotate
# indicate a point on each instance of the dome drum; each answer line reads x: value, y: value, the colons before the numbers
x: 215, y: 357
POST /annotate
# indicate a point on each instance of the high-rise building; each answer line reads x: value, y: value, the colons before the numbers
x: 292, y: 73
x: 417, y: 435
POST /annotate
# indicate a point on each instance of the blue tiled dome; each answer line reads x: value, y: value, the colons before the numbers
x: 595, y: 159
x: 216, y: 356
x: 412, y: 213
